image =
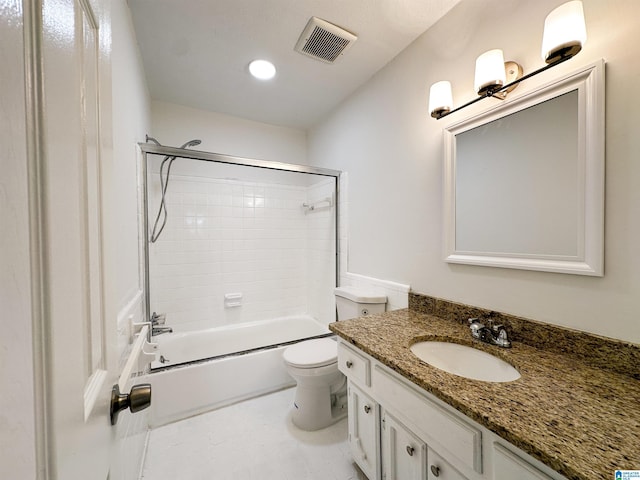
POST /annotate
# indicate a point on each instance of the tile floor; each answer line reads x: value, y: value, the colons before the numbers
x: 254, y: 439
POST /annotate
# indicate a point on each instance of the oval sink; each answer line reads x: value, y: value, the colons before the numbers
x: 465, y: 361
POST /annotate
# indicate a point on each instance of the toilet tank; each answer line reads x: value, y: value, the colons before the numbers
x: 353, y: 302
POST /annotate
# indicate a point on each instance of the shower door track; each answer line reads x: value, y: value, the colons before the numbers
x: 152, y: 148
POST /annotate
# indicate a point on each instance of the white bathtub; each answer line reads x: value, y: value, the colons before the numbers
x: 224, y: 377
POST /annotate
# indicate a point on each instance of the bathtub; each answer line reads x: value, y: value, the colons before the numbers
x: 207, y: 369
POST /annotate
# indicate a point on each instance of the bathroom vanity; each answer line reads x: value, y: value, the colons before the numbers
x: 563, y: 419
x: 398, y: 431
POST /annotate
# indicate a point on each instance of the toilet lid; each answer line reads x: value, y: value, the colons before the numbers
x: 312, y: 353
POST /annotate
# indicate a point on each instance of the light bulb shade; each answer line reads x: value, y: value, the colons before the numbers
x: 262, y: 69
x: 564, y: 32
x: 440, y: 98
x: 490, y: 73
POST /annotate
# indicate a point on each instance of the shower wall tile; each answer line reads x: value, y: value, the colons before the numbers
x: 343, y: 223
x: 321, y: 251
x: 225, y: 236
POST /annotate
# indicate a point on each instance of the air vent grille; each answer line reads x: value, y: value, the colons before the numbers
x: 324, y: 41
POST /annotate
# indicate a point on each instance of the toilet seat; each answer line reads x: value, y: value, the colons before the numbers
x: 312, y: 353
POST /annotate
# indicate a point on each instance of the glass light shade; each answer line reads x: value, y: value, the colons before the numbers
x: 440, y: 98
x: 564, y: 32
x: 262, y: 69
x: 490, y: 73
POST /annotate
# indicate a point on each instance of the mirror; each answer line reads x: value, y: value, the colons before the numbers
x: 524, y: 182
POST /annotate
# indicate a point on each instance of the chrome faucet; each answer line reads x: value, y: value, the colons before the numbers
x: 158, y: 319
x: 493, y: 334
x: 156, y: 330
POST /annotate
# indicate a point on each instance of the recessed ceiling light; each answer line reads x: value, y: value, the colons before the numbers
x: 262, y: 69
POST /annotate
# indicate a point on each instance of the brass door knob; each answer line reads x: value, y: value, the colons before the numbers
x: 138, y: 399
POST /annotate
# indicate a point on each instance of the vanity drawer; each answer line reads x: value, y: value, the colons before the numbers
x: 355, y: 366
x: 456, y: 439
x: 508, y: 465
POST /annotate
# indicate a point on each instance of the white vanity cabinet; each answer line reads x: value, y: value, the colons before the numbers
x: 407, y: 457
x: 403, y: 454
x: 398, y: 431
x: 508, y: 465
x: 364, y: 434
x: 440, y: 469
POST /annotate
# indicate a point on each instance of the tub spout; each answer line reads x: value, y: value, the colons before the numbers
x: 158, y: 330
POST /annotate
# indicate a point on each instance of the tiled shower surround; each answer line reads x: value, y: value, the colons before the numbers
x: 226, y: 236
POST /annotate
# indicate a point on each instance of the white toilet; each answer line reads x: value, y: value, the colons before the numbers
x: 353, y: 302
x: 321, y: 392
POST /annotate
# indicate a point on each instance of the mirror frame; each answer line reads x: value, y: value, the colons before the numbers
x: 589, y: 81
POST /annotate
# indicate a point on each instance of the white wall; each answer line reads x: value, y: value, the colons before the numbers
x: 321, y: 250
x: 173, y: 125
x: 383, y: 136
x: 17, y: 402
x: 131, y: 113
x: 131, y: 121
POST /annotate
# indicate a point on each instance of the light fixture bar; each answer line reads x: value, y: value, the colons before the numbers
x: 492, y: 92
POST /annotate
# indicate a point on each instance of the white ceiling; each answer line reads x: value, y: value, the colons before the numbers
x: 196, y: 52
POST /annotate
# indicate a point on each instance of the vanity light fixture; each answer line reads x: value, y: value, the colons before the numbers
x: 564, y: 32
x: 564, y: 35
x: 490, y: 72
x: 262, y: 69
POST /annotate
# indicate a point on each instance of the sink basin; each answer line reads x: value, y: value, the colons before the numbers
x: 465, y: 361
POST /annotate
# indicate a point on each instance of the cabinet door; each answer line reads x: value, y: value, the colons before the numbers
x: 363, y: 431
x: 439, y: 469
x: 404, y: 456
x: 507, y: 465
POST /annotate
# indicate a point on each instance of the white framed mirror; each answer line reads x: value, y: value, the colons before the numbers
x: 524, y: 182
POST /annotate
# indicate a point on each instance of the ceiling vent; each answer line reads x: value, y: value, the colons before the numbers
x: 324, y: 41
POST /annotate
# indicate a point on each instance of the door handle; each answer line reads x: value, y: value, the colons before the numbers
x: 138, y: 399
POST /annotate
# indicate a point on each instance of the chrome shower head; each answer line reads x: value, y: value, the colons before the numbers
x: 191, y: 143
x: 151, y: 139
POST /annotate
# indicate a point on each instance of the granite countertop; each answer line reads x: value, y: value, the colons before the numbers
x: 580, y: 420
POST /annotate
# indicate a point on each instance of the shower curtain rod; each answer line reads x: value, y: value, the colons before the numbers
x: 249, y: 162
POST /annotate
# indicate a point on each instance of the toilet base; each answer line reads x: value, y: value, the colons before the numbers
x: 316, y: 407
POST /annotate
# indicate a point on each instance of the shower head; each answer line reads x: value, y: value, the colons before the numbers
x: 151, y: 139
x: 191, y: 143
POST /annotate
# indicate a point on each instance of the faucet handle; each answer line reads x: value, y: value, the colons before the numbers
x: 476, y: 327
x: 502, y: 338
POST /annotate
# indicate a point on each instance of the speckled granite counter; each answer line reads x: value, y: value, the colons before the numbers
x: 581, y: 420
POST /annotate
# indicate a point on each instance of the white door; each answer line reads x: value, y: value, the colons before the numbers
x: 73, y: 112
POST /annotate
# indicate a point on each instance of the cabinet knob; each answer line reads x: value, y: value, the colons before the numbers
x: 349, y: 364
x: 410, y: 450
x: 367, y: 409
x: 435, y: 470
